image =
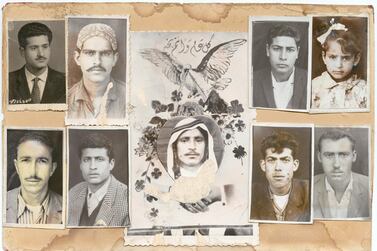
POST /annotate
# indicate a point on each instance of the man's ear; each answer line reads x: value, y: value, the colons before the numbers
x: 54, y: 165
x: 296, y: 164
x: 298, y: 51
x: 112, y: 164
x: 116, y: 56
x: 354, y: 156
x: 15, y: 164
x: 262, y: 164
x: 319, y: 157
x: 77, y: 57
x: 22, y: 51
x: 267, y: 50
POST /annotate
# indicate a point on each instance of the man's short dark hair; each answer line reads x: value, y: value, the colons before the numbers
x: 40, y: 137
x: 280, y: 30
x: 33, y: 30
x: 334, y: 135
x: 278, y: 141
x: 97, y: 140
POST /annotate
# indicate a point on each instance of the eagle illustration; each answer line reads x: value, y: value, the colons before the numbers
x: 205, y: 77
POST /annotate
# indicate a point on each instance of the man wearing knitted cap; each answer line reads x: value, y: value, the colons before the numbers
x: 97, y: 96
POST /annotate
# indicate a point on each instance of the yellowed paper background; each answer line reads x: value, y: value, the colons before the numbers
x: 330, y: 235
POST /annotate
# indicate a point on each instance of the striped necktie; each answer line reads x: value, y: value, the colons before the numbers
x: 35, y: 93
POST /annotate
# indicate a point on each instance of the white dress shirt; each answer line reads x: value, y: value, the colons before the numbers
x: 283, y: 91
x: 94, y: 199
x: 339, y: 209
x: 41, y: 80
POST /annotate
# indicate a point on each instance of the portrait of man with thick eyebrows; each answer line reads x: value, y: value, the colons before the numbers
x: 100, y: 199
x: 279, y: 196
x: 33, y: 202
x: 36, y: 82
x: 97, y: 95
x: 340, y: 192
x: 281, y: 83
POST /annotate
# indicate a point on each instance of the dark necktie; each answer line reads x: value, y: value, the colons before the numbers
x: 35, y: 93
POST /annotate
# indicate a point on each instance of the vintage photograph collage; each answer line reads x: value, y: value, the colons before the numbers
x: 161, y: 132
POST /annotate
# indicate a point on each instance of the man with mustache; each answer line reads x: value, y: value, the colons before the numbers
x: 97, y: 95
x: 282, y: 198
x: 281, y: 85
x: 338, y: 192
x: 33, y: 202
x: 36, y: 82
x: 100, y: 200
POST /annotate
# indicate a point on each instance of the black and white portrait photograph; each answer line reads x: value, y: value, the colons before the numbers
x: 34, y: 178
x: 97, y: 177
x: 189, y: 158
x: 281, y: 175
x: 279, y: 62
x: 36, y: 65
x: 342, y: 175
x: 340, y: 64
x: 97, y: 70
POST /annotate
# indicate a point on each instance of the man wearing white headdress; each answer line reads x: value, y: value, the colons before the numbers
x: 97, y: 95
x: 192, y: 164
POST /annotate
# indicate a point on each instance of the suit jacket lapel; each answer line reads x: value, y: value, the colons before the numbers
x: 323, y: 199
x: 106, y: 213
x: 269, y: 91
x: 356, y: 201
x: 12, y: 206
x: 55, y: 210
x: 48, y: 90
x: 22, y: 85
x: 78, y: 205
x: 298, y: 90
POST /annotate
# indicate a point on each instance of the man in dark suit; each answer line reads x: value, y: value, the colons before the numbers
x: 281, y: 198
x: 281, y: 85
x: 100, y: 200
x: 36, y: 82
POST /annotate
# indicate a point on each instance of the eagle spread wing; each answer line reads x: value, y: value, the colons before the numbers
x: 171, y: 68
x: 217, y: 61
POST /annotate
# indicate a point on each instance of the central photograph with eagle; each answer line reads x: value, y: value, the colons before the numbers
x: 189, y: 118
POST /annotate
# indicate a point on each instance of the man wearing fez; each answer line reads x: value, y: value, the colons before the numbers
x: 36, y: 82
x: 281, y: 85
x: 281, y: 198
x: 100, y: 200
x: 97, y: 95
x: 339, y: 192
x: 33, y: 202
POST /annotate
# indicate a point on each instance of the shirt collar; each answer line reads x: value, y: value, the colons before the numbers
x: 101, y: 192
x: 22, y: 206
x: 287, y: 82
x: 30, y: 76
x: 330, y: 189
x: 82, y: 93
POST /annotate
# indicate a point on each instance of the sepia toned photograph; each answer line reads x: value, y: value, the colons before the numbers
x: 342, y: 175
x: 282, y: 173
x: 34, y: 178
x: 36, y: 65
x: 278, y: 56
x: 209, y: 235
x: 340, y: 81
x: 97, y: 70
x: 97, y: 177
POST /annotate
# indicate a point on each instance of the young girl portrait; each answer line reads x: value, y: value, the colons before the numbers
x: 340, y: 65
